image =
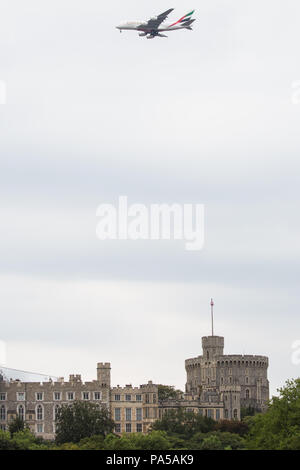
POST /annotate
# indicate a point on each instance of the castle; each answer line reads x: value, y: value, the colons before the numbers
x: 217, y: 386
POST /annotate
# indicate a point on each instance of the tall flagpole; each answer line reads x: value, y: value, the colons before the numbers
x: 212, y: 316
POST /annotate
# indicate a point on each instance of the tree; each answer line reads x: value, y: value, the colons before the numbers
x: 235, y: 427
x: 82, y: 419
x: 279, y: 427
x: 17, y: 425
x: 182, y: 423
x: 222, y: 441
x: 248, y: 411
x: 166, y: 392
x: 6, y: 443
x: 156, y: 440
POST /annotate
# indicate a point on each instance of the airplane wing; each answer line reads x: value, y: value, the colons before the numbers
x: 154, y: 23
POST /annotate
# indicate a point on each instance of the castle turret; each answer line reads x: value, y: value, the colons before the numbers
x: 103, y: 374
x: 212, y: 346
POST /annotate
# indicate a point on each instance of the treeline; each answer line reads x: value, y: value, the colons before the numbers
x: 83, y: 426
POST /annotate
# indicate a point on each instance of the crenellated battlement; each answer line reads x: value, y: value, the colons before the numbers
x: 15, y: 384
x: 103, y: 365
x: 129, y: 388
x: 238, y: 360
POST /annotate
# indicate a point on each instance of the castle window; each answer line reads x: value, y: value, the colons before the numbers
x: 39, y: 413
x: 235, y: 414
x: 226, y: 414
x: 86, y: 395
x: 247, y: 380
x: 147, y: 398
x: 117, y: 414
x: 20, y: 396
x: 247, y: 393
x: 57, y: 396
x: 2, y: 396
x: 128, y: 414
x: 2, y: 413
x: 222, y: 380
x: 209, y: 413
x: 39, y: 428
x: 97, y: 396
x: 207, y: 355
x: 117, y: 397
x: 21, y: 412
x: 217, y: 415
x: 139, y: 414
x: 128, y: 427
x: 56, y: 410
x: 230, y: 380
x: 154, y: 397
x: 138, y: 397
x: 139, y: 427
x: 127, y: 397
x: 39, y: 396
x: 70, y: 396
x: 118, y: 428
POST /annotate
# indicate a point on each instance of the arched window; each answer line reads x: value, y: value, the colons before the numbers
x: 21, y: 412
x: 2, y: 413
x: 247, y: 393
x: 235, y: 414
x: 39, y: 413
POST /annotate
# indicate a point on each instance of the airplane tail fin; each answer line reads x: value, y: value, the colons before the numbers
x: 188, y: 24
x: 185, y: 20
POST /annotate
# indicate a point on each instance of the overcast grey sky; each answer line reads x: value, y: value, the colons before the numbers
x: 201, y: 117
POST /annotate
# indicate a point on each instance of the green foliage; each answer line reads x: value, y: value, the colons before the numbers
x: 16, y: 425
x: 156, y: 440
x: 235, y: 427
x: 216, y: 440
x: 248, y: 411
x: 6, y: 443
x: 21, y: 440
x: 92, y: 443
x: 80, y: 420
x: 166, y: 392
x: 183, y: 424
x: 279, y: 427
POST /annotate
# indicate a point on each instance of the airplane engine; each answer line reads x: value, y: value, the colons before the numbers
x: 150, y: 36
x: 143, y: 34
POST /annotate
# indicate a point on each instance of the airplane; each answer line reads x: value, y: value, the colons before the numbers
x: 152, y: 28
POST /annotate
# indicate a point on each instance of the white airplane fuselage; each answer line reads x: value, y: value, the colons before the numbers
x: 143, y: 27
